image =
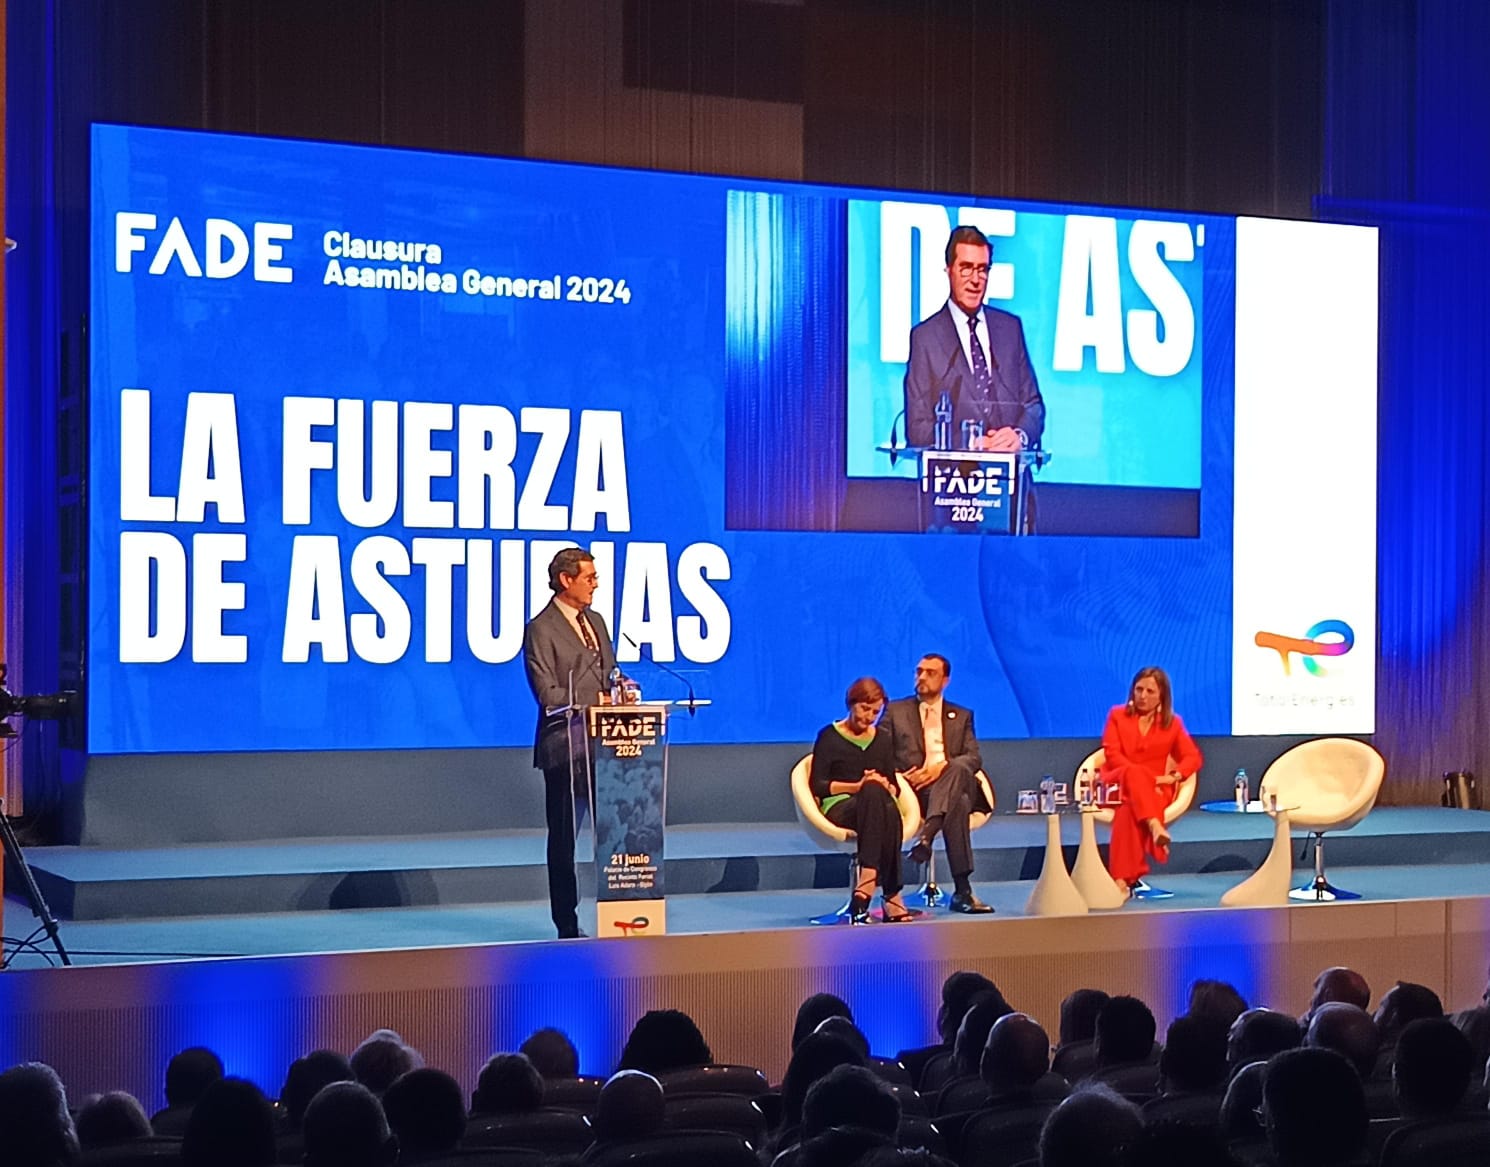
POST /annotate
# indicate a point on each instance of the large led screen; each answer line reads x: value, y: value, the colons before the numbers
x: 347, y: 402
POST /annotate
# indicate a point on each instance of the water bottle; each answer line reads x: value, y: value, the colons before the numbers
x: 1047, y: 795
x: 1243, y: 793
x: 1084, y: 787
x: 617, y: 686
x: 942, y: 434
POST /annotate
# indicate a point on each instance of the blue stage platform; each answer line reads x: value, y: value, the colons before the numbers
x: 376, y: 893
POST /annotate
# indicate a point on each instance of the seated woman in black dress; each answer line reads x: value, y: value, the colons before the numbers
x: 853, y: 779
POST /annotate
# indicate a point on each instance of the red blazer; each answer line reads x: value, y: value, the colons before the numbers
x: 1148, y: 753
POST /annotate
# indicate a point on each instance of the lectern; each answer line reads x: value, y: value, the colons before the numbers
x: 628, y: 745
x: 976, y: 492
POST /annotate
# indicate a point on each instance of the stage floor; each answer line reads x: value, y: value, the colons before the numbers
x: 505, y: 870
x: 178, y: 938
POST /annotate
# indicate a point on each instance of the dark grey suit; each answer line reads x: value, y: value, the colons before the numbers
x: 957, y: 793
x: 553, y: 654
x: 938, y: 362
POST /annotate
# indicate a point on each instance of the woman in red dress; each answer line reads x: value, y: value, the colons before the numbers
x: 1148, y: 753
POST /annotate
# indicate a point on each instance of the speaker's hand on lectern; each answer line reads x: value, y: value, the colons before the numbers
x: 1003, y: 441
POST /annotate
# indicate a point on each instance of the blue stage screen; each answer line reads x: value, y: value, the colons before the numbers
x: 347, y: 402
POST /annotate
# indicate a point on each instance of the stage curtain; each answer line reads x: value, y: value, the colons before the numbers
x: 1407, y: 116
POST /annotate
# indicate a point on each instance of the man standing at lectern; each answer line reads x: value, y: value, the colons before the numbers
x: 937, y: 751
x: 976, y: 355
x: 568, y: 657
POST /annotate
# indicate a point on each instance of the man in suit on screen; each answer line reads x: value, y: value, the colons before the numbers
x: 936, y: 749
x: 568, y: 656
x: 976, y: 354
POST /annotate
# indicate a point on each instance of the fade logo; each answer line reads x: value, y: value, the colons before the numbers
x: 215, y: 249
x: 982, y: 481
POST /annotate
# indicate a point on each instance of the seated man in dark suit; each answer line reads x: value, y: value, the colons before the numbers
x: 937, y: 751
x: 1432, y: 1069
x: 1313, y: 1109
x: 1351, y: 1033
x: 1125, y: 1039
x: 1401, y: 1005
x: 1016, y: 1057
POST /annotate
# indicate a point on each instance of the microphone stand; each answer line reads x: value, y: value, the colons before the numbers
x: 692, y: 698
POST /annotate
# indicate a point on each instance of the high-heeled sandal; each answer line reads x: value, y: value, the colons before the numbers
x: 903, y: 916
x: 858, y: 909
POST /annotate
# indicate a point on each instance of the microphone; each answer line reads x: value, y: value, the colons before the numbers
x: 692, y: 698
x: 894, y: 453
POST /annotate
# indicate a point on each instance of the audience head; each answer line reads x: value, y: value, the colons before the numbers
x: 1340, y: 984
x: 1258, y: 1034
x: 972, y: 1034
x: 552, y: 1053
x: 813, y: 1059
x: 189, y: 1073
x: 1349, y: 1031
x: 958, y: 991
x: 1432, y: 1068
x: 1079, y: 1015
x: 662, y: 1040
x: 1313, y: 1108
x: 508, y: 1084
x: 850, y: 1096
x: 1194, y: 1057
x: 846, y: 1029
x: 231, y: 1125
x: 1015, y: 1056
x: 1216, y: 1001
x: 382, y: 1059
x: 307, y: 1077
x: 115, y: 1117
x: 1094, y: 1127
x: 814, y: 1011
x: 629, y: 1107
x: 1125, y: 1032
x: 427, y: 1112
x: 1474, y: 1024
x: 37, y: 1126
x: 1240, y: 1105
x: 345, y: 1127
x: 1403, y: 1004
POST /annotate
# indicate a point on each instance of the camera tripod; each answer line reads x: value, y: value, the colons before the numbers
x: 10, y: 848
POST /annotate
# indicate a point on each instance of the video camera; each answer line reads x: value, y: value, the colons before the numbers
x: 39, y: 707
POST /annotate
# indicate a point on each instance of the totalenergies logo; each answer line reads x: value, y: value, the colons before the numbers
x: 1309, y: 645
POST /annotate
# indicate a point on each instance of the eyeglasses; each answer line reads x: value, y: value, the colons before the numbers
x: 964, y: 270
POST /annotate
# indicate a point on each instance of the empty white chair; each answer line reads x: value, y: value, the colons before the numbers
x: 831, y: 837
x: 1329, y: 784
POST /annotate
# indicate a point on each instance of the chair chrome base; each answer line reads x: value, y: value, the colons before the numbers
x: 1143, y: 891
x: 841, y: 916
x: 930, y: 896
x: 1322, y: 892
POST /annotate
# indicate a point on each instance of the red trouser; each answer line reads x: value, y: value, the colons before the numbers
x: 1143, y: 799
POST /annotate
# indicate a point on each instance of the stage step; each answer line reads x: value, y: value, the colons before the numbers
x: 89, y: 883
